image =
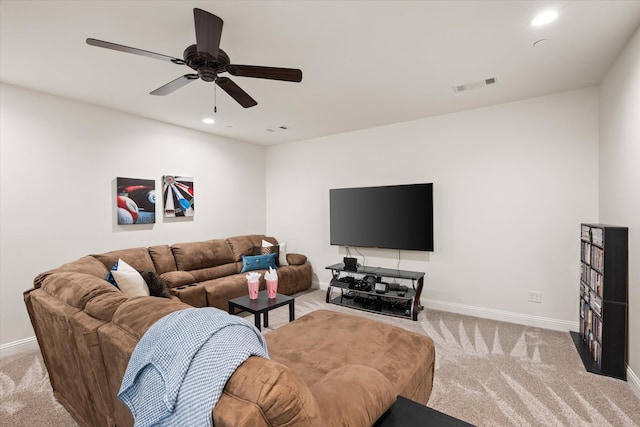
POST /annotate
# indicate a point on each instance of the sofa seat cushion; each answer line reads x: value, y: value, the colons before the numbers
x: 204, y: 274
x: 217, y: 292
x: 220, y: 291
x: 358, y: 394
x: 405, y: 358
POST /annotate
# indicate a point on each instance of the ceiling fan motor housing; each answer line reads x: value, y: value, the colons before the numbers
x: 207, y: 67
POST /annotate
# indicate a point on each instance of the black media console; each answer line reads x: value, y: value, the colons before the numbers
x: 367, y: 288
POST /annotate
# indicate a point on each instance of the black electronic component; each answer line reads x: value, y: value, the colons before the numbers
x: 350, y: 264
x: 381, y: 288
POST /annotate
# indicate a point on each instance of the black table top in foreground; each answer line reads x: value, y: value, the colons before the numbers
x: 407, y: 413
x: 262, y: 305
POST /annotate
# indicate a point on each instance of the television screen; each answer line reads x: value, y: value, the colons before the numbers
x: 392, y: 217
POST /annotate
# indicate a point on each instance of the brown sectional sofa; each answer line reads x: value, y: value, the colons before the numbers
x: 207, y: 273
x: 325, y: 368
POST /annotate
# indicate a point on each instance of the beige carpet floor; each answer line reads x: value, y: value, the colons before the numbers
x: 488, y: 373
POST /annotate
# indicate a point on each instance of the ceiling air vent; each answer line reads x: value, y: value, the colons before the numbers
x: 277, y: 128
x: 474, y: 85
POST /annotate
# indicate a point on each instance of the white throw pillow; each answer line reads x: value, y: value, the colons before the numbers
x: 129, y: 280
x: 282, y: 260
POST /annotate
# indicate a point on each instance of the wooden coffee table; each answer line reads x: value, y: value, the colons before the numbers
x: 262, y: 305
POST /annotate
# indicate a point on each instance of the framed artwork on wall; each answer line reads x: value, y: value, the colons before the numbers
x: 136, y: 200
x: 178, y: 196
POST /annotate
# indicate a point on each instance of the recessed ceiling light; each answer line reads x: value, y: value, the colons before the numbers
x: 208, y: 120
x: 544, y: 18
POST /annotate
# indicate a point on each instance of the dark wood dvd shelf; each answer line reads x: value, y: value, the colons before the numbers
x: 602, y: 339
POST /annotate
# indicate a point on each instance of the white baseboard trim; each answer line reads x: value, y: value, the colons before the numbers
x: 502, y: 315
x: 20, y: 346
x: 634, y: 381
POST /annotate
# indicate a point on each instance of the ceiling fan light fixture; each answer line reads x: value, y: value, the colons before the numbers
x: 207, y: 74
x: 544, y: 18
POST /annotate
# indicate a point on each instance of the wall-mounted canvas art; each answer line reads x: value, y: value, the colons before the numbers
x: 178, y: 196
x: 136, y: 200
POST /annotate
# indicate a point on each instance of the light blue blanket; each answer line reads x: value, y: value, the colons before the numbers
x: 179, y: 368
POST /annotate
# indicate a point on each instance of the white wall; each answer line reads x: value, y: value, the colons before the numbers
x: 511, y: 185
x: 59, y: 160
x: 620, y: 174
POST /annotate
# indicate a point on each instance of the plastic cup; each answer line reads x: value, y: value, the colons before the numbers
x: 254, y: 287
x: 272, y: 288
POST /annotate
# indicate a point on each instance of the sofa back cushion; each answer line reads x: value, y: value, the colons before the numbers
x: 198, y: 255
x: 137, y: 258
x: 243, y: 245
x: 86, y: 264
x: 162, y: 258
x: 76, y: 289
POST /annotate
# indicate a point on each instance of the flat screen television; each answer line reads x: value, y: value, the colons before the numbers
x: 391, y: 217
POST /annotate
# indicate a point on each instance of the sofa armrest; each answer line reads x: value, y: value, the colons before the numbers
x: 178, y: 278
x: 353, y: 395
x: 296, y: 259
x: 265, y: 393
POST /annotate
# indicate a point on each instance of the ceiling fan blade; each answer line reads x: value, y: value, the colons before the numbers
x: 174, y: 85
x: 208, y: 32
x: 273, y: 73
x: 236, y: 92
x: 127, y: 49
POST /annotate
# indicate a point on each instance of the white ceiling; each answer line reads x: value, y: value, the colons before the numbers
x: 364, y: 63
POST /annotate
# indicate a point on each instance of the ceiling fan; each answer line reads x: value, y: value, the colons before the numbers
x: 209, y: 61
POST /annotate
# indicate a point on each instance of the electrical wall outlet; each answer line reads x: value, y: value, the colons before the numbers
x: 535, y: 296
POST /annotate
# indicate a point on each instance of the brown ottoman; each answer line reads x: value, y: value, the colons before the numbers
x: 323, y: 340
